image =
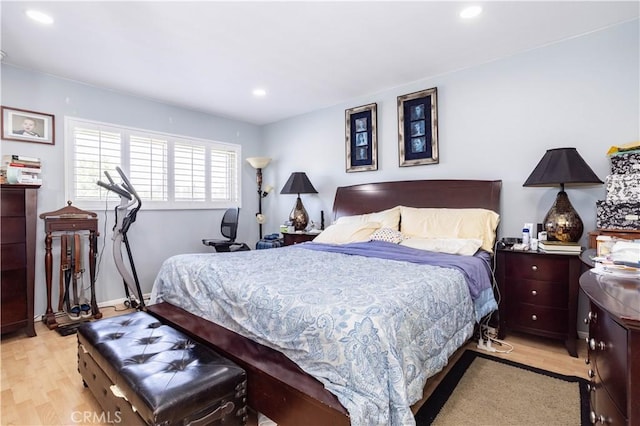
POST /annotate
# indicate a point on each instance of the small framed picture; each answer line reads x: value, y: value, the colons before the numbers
x: 418, y: 128
x: 361, y: 138
x: 27, y: 126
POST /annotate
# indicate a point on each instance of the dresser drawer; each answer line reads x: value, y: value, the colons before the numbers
x: 13, y: 230
x: 13, y: 292
x: 540, y: 293
x: 602, y: 407
x: 543, y: 319
x: 608, y: 358
x: 14, y: 256
x: 12, y: 202
x: 537, y: 267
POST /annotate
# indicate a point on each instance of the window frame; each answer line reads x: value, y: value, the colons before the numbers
x: 112, y: 199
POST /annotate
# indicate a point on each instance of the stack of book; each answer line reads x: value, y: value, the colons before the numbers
x: 21, y: 169
x: 560, y: 247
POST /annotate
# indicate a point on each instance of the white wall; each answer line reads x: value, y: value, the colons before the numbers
x: 156, y: 235
x: 495, y: 122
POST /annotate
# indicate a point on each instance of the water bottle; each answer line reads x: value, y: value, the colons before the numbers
x: 525, y: 237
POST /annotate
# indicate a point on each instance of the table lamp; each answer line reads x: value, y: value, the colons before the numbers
x: 562, y: 166
x: 298, y: 183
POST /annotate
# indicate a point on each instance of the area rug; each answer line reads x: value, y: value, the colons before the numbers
x: 484, y: 390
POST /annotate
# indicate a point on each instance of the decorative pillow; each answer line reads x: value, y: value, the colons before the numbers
x: 343, y: 233
x: 450, y: 223
x: 387, y: 218
x: 387, y: 234
x: 461, y: 246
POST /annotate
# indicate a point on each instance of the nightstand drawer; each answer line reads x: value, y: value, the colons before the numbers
x: 541, y: 318
x: 536, y: 267
x: 540, y: 293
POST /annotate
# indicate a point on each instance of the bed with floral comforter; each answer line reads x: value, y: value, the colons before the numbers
x: 371, y: 327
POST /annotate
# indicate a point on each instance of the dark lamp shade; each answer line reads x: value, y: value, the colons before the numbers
x: 561, y: 166
x: 298, y: 183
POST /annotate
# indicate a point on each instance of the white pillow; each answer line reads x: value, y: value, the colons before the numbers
x: 387, y: 218
x: 450, y: 223
x: 462, y: 246
x: 344, y: 233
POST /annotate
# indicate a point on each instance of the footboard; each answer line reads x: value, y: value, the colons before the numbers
x: 276, y: 386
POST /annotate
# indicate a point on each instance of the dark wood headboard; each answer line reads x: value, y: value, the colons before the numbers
x: 374, y: 197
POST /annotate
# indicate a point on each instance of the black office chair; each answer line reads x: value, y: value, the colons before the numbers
x: 228, y: 229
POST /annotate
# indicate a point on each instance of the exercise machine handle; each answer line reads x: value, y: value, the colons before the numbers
x: 115, y: 188
x: 127, y: 185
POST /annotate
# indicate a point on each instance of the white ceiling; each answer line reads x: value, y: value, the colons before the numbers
x: 209, y: 56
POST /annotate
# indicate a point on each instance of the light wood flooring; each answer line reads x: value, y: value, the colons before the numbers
x: 41, y: 385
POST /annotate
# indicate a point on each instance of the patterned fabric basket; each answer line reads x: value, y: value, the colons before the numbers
x: 617, y: 215
x: 623, y: 188
x: 625, y: 163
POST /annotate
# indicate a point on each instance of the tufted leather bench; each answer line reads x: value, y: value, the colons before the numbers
x: 142, y: 371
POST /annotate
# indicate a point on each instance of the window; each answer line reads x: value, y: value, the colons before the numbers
x: 167, y: 171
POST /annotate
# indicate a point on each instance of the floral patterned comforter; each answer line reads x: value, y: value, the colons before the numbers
x: 371, y: 330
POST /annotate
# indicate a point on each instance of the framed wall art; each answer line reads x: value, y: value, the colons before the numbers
x: 27, y: 126
x: 361, y: 138
x: 418, y: 128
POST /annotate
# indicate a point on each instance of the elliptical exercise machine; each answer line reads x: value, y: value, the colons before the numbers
x: 125, y: 214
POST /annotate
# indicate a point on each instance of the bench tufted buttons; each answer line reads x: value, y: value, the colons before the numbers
x: 183, y: 344
x: 114, y: 336
x: 150, y: 340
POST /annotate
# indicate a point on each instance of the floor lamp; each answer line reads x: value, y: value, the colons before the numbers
x: 260, y: 163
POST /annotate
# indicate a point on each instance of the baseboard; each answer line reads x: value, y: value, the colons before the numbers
x: 105, y: 304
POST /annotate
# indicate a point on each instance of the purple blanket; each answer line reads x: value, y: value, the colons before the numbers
x: 475, y: 268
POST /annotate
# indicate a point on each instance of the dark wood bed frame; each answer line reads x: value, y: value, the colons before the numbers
x: 277, y: 387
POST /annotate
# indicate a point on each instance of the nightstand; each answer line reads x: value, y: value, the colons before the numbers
x: 291, y: 238
x: 539, y: 294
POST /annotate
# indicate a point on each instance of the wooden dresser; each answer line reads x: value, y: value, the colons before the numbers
x: 18, y: 204
x: 539, y: 294
x: 614, y: 348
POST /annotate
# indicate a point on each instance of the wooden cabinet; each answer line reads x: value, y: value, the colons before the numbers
x: 613, y: 359
x: 18, y: 204
x: 539, y: 294
x: 297, y: 237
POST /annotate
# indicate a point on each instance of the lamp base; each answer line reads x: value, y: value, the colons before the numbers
x: 299, y: 216
x: 562, y: 222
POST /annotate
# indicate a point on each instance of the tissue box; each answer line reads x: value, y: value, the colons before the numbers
x: 625, y: 163
x: 623, y: 188
x: 617, y: 215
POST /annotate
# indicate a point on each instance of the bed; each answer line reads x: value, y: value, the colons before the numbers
x: 277, y: 386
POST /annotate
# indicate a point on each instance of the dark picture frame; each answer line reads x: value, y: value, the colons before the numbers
x: 28, y: 126
x: 418, y: 128
x: 361, y: 138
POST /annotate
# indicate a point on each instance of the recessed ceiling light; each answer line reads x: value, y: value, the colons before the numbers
x: 38, y: 16
x: 259, y: 93
x: 470, y: 12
